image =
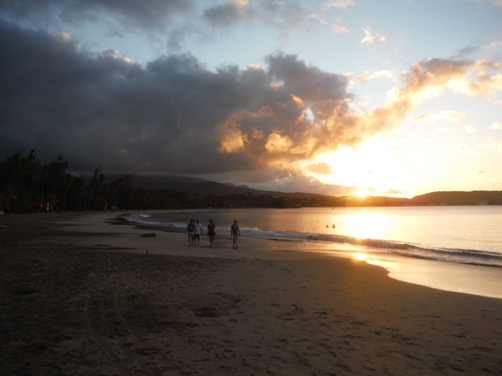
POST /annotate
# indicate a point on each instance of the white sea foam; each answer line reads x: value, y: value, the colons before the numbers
x: 424, y: 233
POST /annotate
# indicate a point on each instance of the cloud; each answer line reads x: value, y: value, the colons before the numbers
x: 466, y: 51
x: 367, y: 76
x: 496, y: 126
x: 343, y: 4
x: 432, y: 117
x: 494, y: 2
x: 174, y: 20
x: 225, y: 15
x: 175, y: 116
x: 171, y: 116
x: 494, y: 144
x: 338, y: 27
x: 372, y: 38
x: 495, y: 44
x: 105, y: 110
x: 477, y: 174
x: 319, y: 168
x: 291, y: 15
x: 145, y: 13
x: 470, y: 129
x: 287, y: 134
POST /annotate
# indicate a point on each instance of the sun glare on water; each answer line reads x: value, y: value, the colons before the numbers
x: 366, y: 226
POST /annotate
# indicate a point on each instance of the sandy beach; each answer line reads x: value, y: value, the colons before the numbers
x: 81, y: 295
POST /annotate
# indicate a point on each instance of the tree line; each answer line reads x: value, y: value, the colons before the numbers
x: 27, y: 185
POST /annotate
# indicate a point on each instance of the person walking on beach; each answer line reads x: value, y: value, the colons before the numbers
x: 197, y: 232
x: 234, y: 233
x: 190, y: 231
x: 210, y: 232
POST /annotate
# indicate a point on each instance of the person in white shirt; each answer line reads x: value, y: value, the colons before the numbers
x: 197, y: 232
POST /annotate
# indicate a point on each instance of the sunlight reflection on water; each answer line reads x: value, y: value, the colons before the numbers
x: 364, y: 226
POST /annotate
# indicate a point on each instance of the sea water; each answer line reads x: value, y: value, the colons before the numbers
x: 416, y: 244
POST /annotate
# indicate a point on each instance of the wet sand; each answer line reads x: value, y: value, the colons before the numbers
x: 80, y: 296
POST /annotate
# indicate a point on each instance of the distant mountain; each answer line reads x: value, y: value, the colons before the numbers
x: 197, y: 187
x: 162, y: 182
x: 459, y: 198
x: 200, y: 187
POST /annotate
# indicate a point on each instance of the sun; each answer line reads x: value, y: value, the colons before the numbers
x: 362, y: 193
x: 374, y: 167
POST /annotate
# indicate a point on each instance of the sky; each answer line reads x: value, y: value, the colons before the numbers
x: 397, y: 97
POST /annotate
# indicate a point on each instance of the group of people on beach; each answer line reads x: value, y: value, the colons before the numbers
x: 194, y: 231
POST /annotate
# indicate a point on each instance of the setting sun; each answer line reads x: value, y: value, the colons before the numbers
x: 373, y: 166
x: 362, y: 193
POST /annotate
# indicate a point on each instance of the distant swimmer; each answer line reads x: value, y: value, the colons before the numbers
x: 334, y: 226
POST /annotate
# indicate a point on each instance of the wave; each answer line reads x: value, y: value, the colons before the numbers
x: 463, y: 256
x: 410, y: 250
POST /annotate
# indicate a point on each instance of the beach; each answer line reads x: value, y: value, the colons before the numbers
x: 82, y: 294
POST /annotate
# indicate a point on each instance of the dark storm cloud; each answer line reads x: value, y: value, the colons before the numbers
x: 176, y: 116
x: 170, y: 116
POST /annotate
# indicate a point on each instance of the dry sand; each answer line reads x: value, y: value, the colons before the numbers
x: 80, y: 296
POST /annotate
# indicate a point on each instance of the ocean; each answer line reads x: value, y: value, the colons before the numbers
x: 421, y: 245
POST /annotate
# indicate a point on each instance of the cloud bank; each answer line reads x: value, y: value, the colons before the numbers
x: 175, y: 116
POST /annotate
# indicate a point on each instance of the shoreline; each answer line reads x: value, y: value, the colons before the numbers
x: 481, y: 280
x: 82, y: 297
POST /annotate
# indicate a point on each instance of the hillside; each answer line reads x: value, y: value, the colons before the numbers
x: 459, y: 198
x: 201, y: 188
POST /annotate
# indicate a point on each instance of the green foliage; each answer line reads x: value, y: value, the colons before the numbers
x: 28, y: 186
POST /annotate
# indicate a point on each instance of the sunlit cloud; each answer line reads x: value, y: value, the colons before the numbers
x: 343, y: 4
x: 317, y: 124
x: 372, y: 38
x: 114, y: 54
x: 273, y: 120
x: 367, y: 76
x: 470, y: 129
x: 496, y: 126
x: 277, y: 143
x: 495, y: 44
x: 494, y: 144
x: 477, y: 174
x: 432, y: 117
x: 317, y: 19
x: 319, y: 168
x: 467, y: 151
x: 338, y: 27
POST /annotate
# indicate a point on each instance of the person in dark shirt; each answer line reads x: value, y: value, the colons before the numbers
x: 210, y: 232
x: 234, y: 233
